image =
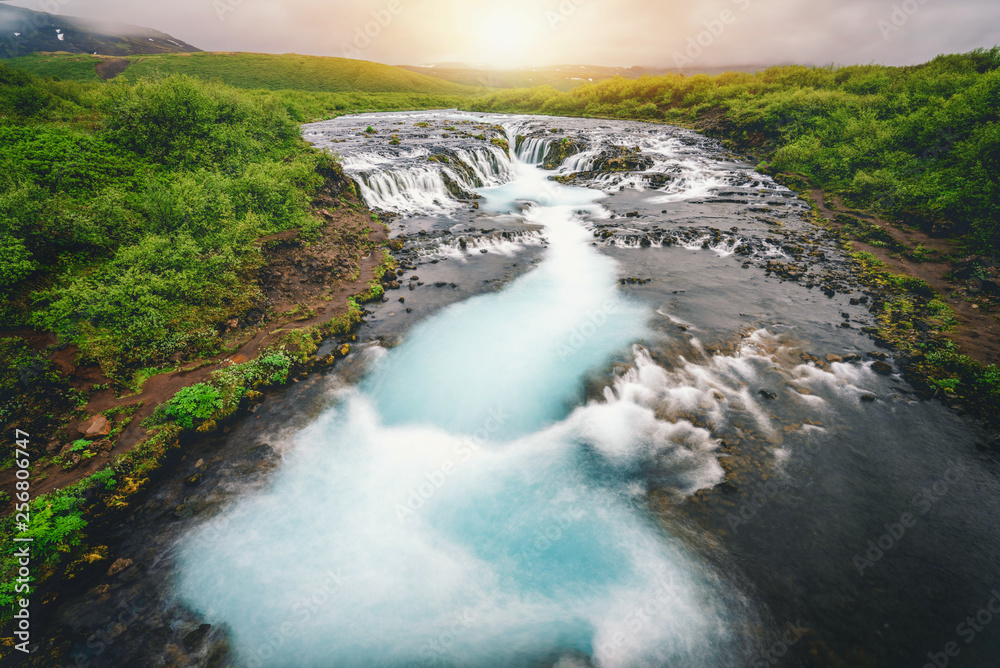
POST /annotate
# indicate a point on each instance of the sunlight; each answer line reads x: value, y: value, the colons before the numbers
x: 505, y: 38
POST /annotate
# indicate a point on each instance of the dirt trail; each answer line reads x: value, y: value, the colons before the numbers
x: 109, y: 68
x: 979, y: 332
x: 337, y: 273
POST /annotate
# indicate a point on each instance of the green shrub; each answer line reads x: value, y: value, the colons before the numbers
x: 197, y: 402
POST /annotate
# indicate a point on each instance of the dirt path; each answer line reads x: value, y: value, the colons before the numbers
x: 978, y: 334
x: 109, y: 68
x: 335, y: 271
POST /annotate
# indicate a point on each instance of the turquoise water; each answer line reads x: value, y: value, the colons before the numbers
x: 464, y: 506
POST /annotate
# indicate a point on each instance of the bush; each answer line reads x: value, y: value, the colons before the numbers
x: 197, y: 402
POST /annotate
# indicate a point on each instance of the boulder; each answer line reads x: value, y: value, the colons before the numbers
x: 95, y: 427
x: 119, y: 566
x: 882, y: 368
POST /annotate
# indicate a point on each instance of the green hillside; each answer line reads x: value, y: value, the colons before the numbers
x: 251, y: 70
x: 66, y: 66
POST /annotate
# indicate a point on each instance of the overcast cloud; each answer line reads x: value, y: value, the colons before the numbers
x: 544, y: 32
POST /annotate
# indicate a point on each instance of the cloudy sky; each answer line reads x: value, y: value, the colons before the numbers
x: 504, y: 33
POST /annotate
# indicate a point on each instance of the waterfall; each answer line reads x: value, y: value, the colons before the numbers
x: 463, y: 505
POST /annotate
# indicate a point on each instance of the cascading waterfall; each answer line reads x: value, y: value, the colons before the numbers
x: 421, y: 187
x: 533, y: 149
x: 463, y: 506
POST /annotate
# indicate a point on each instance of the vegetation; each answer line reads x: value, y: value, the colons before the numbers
x: 920, y: 144
x: 910, y: 319
x: 136, y: 238
x: 252, y: 70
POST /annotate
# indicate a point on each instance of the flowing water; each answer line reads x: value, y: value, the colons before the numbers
x: 564, y: 468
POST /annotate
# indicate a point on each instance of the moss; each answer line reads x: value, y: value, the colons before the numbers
x: 559, y: 151
x: 501, y: 143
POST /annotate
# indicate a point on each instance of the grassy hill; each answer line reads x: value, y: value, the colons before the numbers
x: 561, y: 77
x: 250, y: 70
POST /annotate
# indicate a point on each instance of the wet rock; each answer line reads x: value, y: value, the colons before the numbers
x: 768, y: 394
x: 559, y: 151
x: 95, y: 427
x: 876, y: 355
x: 194, y: 639
x: 851, y: 357
x: 831, y: 358
x: 119, y: 566
x: 192, y: 480
x: 622, y: 159
x: 868, y: 398
x: 882, y: 368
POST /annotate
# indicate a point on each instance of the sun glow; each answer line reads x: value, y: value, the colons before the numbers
x: 506, y: 38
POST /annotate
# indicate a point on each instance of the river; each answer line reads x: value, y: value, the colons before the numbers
x: 596, y: 431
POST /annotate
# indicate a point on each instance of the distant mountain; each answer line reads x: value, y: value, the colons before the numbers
x: 23, y: 31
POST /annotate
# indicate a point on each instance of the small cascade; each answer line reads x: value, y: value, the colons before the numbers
x: 502, y: 242
x: 434, y: 184
x: 405, y: 190
x: 532, y: 150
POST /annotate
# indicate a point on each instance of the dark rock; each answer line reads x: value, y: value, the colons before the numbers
x: 767, y: 394
x: 868, y: 398
x: 194, y: 639
x: 882, y: 368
